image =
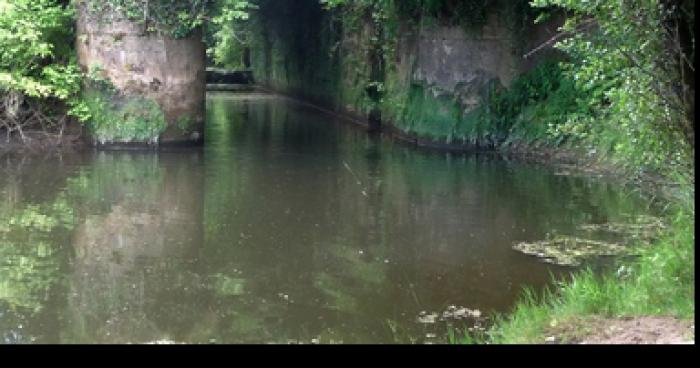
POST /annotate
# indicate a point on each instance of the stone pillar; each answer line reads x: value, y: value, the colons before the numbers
x: 156, y: 84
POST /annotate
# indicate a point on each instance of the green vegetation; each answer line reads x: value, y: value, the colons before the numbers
x: 597, y: 100
x: 227, y: 34
x: 624, y: 94
x: 622, y: 91
x: 33, y: 57
x: 632, y: 65
x: 633, y: 69
x: 41, y: 83
x: 38, y: 73
x: 534, y: 103
x: 174, y: 17
x: 184, y: 123
x: 660, y: 282
x: 525, y: 112
x: 118, y: 119
x: 346, y: 56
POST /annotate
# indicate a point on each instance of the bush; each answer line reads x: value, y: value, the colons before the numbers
x: 38, y: 73
x: 634, y: 62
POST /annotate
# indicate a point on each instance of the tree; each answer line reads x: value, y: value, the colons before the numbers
x: 37, y: 70
x: 230, y: 39
x: 636, y: 61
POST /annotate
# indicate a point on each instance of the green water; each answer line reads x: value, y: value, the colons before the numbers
x: 288, y: 226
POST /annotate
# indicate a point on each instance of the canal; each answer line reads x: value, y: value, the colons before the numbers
x: 288, y: 226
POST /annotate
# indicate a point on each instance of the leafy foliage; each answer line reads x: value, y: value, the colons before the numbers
x: 632, y: 60
x: 36, y: 62
x: 33, y: 58
x: 536, y: 102
x: 228, y: 32
x: 174, y: 17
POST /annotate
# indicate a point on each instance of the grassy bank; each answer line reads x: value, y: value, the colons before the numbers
x: 660, y: 282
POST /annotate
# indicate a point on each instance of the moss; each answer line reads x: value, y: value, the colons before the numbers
x: 121, y: 119
x: 184, y: 123
x: 526, y: 111
x: 426, y: 115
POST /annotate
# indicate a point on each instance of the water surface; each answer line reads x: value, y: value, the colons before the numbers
x: 288, y: 226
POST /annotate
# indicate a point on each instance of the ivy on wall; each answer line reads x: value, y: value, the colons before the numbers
x: 177, y: 18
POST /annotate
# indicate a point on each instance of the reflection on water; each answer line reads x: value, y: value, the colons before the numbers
x: 286, y: 227
x: 132, y: 254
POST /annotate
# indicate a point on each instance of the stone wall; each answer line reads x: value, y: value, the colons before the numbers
x: 451, y: 61
x: 460, y: 63
x: 150, y: 66
x: 437, y: 75
x: 442, y: 75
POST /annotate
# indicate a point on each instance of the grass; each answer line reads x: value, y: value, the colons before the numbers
x: 659, y: 282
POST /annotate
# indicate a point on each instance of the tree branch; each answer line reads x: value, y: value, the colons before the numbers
x: 580, y: 27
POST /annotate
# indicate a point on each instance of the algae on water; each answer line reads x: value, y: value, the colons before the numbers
x: 569, y: 250
x: 572, y: 251
x: 646, y: 228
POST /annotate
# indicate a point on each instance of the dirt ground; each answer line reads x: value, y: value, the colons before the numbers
x: 628, y: 330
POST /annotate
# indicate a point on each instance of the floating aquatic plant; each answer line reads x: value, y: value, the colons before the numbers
x: 570, y: 251
x: 646, y: 228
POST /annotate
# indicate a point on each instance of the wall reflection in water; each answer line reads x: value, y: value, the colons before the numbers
x: 286, y: 227
x: 133, y: 273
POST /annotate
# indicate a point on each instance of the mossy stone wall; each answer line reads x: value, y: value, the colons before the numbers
x: 144, y: 68
x: 436, y: 75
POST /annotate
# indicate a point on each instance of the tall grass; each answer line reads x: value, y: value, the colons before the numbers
x: 660, y: 282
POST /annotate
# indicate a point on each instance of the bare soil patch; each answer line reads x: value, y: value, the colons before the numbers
x: 626, y: 330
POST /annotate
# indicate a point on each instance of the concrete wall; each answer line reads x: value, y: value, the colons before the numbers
x: 436, y: 76
x: 143, y: 64
x: 452, y: 61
